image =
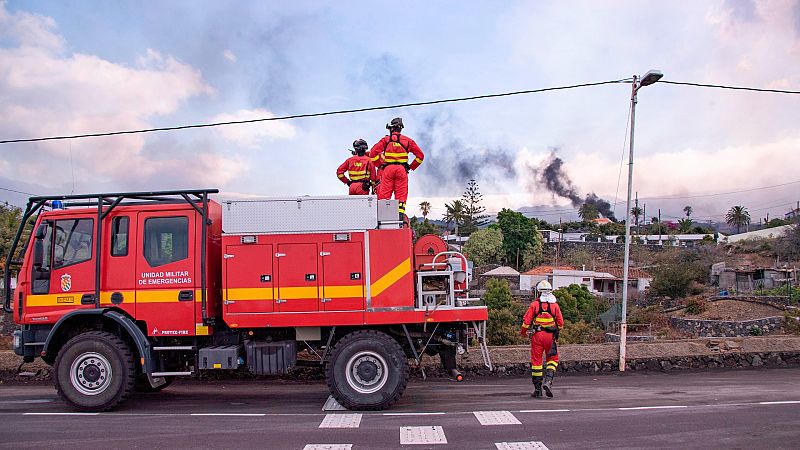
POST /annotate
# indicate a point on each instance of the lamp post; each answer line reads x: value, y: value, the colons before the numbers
x: 649, y: 78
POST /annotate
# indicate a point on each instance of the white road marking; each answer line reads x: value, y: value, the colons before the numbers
x: 230, y: 414
x: 41, y: 400
x: 422, y: 435
x: 415, y: 414
x: 60, y: 414
x: 543, y: 410
x: 496, y: 418
x: 328, y: 447
x: 530, y: 445
x: 341, y: 421
x: 632, y: 408
x: 332, y: 405
x: 785, y: 402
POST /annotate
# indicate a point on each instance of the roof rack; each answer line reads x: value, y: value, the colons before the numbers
x: 105, y: 203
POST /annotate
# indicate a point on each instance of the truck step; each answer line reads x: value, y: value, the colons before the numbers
x: 171, y: 374
x: 175, y: 347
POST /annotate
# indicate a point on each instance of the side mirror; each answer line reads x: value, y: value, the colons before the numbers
x: 38, y: 253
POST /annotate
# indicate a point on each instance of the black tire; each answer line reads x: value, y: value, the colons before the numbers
x: 143, y: 385
x: 378, y: 371
x: 95, y: 371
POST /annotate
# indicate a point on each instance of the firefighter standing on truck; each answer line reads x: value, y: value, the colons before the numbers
x: 360, y: 169
x: 544, y: 320
x: 395, y: 149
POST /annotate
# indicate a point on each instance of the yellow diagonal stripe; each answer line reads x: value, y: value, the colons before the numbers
x: 392, y: 277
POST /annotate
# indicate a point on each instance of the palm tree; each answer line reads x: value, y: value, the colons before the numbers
x: 454, y: 213
x: 737, y: 216
x: 636, y: 211
x: 588, y: 212
x: 426, y: 208
x: 687, y: 210
x: 685, y: 225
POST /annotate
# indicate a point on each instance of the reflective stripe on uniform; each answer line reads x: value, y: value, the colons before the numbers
x: 419, y: 161
x: 552, y: 364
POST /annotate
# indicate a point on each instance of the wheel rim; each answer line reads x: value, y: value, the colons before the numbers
x: 366, y: 372
x: 90, y: 373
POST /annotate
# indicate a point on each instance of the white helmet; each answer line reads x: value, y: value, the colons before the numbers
x: 544, y: 285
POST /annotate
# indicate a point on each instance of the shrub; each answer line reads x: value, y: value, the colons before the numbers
x: 505, y: 316
x: 577, y: 303
x: 696, y: 306
x: 755, y: 331
x: 675, y: 280
x: 580, y: 333
x: 790, y: 323
x: 498, y: 294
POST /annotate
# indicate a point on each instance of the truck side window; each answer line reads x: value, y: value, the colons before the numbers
x: 73, y: 242
x: 166, y: 240
x: 41, y: 275
x: 119, y: 236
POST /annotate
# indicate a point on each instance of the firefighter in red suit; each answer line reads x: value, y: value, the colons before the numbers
x: 395, y: 149
x: 360, y: 169
x: 544, y: 320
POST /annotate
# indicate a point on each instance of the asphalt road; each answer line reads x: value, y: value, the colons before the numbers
x: 736, y: 409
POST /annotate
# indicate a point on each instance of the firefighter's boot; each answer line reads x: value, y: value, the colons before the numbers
x: 548, y: 382
x: 537, y: 387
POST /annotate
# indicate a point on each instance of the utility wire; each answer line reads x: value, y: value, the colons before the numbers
x: 320, y: 114
x: 736, y: 88
x: 17, y: 192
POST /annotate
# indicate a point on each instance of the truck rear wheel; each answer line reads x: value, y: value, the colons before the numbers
x: 368, y: 370
x: 94, y: 371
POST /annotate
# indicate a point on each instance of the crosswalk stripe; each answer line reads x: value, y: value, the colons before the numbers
x: 529, y: 445
x: 341, y: 421
x: 422, y: 435
x: 328, y: 447
x: 496, y: 418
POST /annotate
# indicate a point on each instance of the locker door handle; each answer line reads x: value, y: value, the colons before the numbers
x: 280, y: 301
x: 185, y: 296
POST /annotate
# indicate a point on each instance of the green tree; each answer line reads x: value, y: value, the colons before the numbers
x: 485, y: 246
x: 674, y: 279
x: 737, y: 217
x: 423, y: 227
x: 473, y: 210
x: 636, y: 212
x: 454, y: 213
x: 687, y: 210
x: 520, y: 237
x: 588, y: 212
x: 498, y: 294
x: 577, y: 304
x: 10, y: 217
x: 425, y: 207
x: 505, y: 316
x: 685, y: 225
x: 656, y: 227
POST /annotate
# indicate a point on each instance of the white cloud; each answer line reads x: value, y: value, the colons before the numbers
x: 229, y: 55
x: 50, y: 92
x: 252, y: 135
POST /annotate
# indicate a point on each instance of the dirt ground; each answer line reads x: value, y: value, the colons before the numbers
x: 734, y: 310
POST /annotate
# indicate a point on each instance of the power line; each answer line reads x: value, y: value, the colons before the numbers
x: 17, y: 192
x: 737, y: 88
x: 320, y: 114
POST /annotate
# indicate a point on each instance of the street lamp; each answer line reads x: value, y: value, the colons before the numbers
x: 652, y: 76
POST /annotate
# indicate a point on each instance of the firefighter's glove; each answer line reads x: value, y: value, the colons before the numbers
x: 523, y: 332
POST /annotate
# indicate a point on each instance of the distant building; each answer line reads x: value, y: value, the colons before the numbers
x: 747, y: 278
x: 601, y: 282
x: 764, y: 233
x: 793, y: 214
x: 602, y: 221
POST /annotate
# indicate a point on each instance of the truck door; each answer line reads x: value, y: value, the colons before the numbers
x: 249, y: 279
x: 298, y: 278
x: 65, y: 278
x: 166, y: 282
x: 343, y: 276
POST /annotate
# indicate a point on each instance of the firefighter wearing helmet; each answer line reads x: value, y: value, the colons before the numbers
x: 543, y: 320
x: 394, y: 150
x: 359, y: 168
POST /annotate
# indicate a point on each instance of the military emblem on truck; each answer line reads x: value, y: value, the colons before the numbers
x: 66, y: 282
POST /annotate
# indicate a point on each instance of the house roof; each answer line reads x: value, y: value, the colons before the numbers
x: 501, y: 271
x: 546, y: 270
x: 632, y: 272
x: 602, y: 220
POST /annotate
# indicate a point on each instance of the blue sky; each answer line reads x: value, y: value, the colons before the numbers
x: 84, y: 66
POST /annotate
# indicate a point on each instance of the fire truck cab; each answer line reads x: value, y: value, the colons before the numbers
x: 126, y: 291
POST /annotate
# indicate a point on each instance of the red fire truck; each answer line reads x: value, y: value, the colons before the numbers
x: 125, y: 291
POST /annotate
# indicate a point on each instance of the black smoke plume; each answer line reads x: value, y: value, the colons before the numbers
x: 552, y: 176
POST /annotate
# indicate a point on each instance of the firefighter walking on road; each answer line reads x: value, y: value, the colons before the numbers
x: 359, y: 168
x: 544, y: 320
x: 394, y: 149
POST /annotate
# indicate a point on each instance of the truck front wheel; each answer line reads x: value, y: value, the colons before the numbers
x: 94, y: 371
x: 368, y: 370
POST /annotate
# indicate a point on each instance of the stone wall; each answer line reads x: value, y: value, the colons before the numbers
x: 723, y: 328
